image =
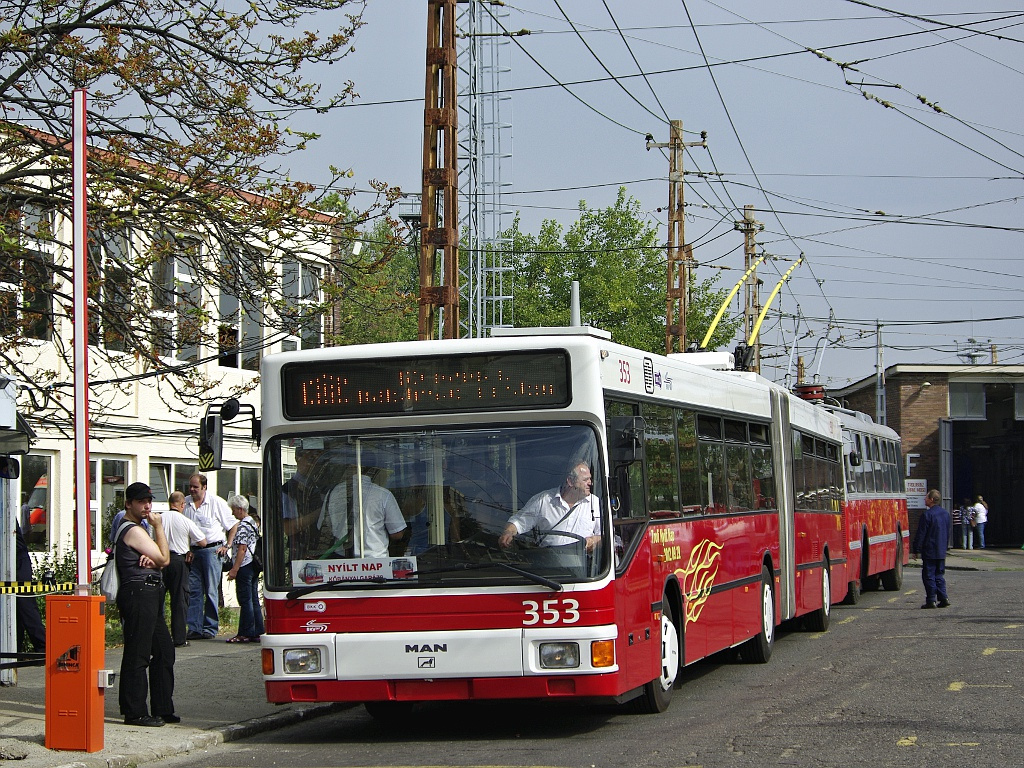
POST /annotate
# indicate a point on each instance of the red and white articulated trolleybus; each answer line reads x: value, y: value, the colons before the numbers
x: 661, y: 511
x: 875, y: 508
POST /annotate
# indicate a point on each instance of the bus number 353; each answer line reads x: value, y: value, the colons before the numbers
x: 551, y: 612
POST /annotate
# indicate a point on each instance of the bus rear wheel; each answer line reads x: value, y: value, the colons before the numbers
x: 819, y: 619
x: 758, y: 649
x: 892, y: 579
x: 657, y: 694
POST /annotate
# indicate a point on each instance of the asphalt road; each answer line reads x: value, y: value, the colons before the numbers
x: 888, y: 684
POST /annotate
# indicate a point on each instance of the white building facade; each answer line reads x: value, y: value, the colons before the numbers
x: 144, y: 418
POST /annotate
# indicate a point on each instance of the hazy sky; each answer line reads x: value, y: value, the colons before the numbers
x: 893, y: 158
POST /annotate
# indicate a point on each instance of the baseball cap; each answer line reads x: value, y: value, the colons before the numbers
x: 137, y: 492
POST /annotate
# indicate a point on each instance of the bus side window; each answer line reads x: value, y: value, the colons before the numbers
x: 689, y: 463
x: 660, y: 459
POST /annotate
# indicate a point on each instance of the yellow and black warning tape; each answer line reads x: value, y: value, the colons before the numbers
x: 34, y: 587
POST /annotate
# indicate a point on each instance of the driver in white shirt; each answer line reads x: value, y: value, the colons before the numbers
x: 570, y: 508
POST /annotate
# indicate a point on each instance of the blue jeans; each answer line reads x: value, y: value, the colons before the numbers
x: 250, y: 615
x: 980, y: 528
x: 933, y: 574
x: 966, y: 536
x: 204, y: 592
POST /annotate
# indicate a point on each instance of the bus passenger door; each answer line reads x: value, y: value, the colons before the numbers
x: 637, y: 651
x: 782, y: 438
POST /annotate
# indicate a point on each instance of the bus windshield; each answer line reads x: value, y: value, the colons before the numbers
x: 508, y: 505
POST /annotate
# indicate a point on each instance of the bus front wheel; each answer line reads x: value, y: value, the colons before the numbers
x: 657, y: 694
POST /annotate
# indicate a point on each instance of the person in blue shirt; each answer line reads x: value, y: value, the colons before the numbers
x: 930, y: 543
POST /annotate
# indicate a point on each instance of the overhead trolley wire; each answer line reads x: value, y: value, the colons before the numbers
x: 927, y: 20
x: 558, y: 82
x: 614, y: 78
x: 635, y: 61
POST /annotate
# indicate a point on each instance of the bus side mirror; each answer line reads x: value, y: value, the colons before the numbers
x: 854, y: 459
x: 625, y: 439
x: 10, y: 469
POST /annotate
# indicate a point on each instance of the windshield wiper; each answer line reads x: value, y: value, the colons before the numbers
x: 536, y: 578
x: 300, y: 591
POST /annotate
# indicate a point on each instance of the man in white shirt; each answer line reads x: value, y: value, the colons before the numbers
x: 570, y: 508
x: 363, y: 517
x: 213, y: 516
x: 182, y: 534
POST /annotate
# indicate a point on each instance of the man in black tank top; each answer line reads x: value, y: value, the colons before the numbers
x: 140, y: 600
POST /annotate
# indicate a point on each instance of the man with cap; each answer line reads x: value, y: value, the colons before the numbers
x: 147, y: 662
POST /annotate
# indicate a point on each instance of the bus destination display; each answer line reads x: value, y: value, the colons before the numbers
x: 426, y: 385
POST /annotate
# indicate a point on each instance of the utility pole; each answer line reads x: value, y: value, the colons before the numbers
x: 880, y: 406
x: 439, y: 231
x: 751, y: 299
x: 679, y: 255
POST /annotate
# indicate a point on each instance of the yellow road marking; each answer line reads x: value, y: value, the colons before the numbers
x: 963, y: 743
x: 907, y: 741
x: 959, y: 686
x: 1013, y: 626
x: 848, y: 619
x: 990, y: 651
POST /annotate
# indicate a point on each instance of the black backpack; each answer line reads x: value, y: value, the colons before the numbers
x: 257, y: 552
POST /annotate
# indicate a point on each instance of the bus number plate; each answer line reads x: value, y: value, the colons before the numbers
x: 551, y: 612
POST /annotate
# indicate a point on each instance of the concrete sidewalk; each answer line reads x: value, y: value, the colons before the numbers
x: 219, y: 696
x: 982, y: 560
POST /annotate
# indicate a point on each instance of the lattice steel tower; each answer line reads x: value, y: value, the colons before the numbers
x: 485, y: 165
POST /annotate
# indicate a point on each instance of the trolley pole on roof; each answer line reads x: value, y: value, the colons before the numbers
x: 439, y: 233
x: 679, y: 255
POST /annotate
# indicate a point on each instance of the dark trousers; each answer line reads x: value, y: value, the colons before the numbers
x: 147, y: 649
x: 933, y: 574
x: 27, y: 619
x: 176, y: 577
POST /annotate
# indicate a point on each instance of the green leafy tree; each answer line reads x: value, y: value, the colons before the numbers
x: 187, y: 145
x: 616, y: 256
x: 381, y: 301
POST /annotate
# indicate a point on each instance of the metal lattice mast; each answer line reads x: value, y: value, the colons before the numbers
x: 485, y: 165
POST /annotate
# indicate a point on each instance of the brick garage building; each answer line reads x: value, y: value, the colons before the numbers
x: 962, y: 428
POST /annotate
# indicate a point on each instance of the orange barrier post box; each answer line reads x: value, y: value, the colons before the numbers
x: 75, y: 678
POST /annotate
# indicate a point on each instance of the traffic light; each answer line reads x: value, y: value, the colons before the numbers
x: 211, y: 442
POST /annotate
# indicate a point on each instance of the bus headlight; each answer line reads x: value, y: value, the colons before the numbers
x: 302, y: 661
x: 559, y: 655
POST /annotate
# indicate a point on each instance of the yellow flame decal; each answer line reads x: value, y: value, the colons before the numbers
x: 698, y: 577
